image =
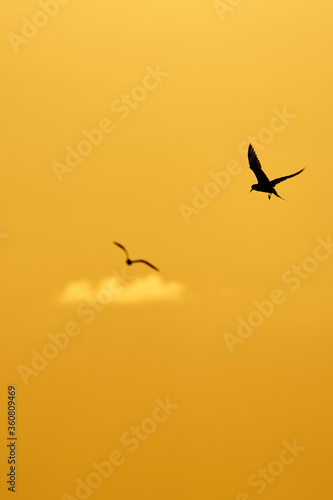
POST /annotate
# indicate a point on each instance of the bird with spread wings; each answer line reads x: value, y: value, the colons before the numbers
x: 264, y: 184
x: 130, y: 262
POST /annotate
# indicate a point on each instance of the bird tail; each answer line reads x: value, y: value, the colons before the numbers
x: 274, y: 192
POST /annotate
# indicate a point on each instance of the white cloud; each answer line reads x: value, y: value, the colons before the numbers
x: 76, y: 291
x: 140, y: 290
x: 150, y: 289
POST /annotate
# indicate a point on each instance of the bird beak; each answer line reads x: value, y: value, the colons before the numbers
x: 250, y: 190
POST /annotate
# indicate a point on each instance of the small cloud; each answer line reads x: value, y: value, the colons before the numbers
x: 150, y: 289
x: 76, y: 291
x: 141, y: 290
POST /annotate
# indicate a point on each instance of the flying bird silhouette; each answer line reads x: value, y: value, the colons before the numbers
x: 130, y: 262
x: 264, y: 184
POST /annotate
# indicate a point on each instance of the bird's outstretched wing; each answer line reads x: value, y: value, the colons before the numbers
x: 280, y: 179
x: 123, y: 248
x: 255, y: 166
x: 145, y: 262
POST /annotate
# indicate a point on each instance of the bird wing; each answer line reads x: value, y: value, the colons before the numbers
x: 255, y: 166
x: 280, y: 179
x: 122, y: 247
x: 145, y: 262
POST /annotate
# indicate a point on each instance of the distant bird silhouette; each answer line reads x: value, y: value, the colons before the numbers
x: 264, y: 184
x: 130, y: 262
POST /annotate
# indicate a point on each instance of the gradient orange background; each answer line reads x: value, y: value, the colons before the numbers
x: 226, y: 72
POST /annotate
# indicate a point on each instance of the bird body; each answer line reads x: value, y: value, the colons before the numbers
x: 264, y: 184
x: 129, y: 262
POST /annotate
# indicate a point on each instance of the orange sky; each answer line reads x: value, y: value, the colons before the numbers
x: 130, y: 123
